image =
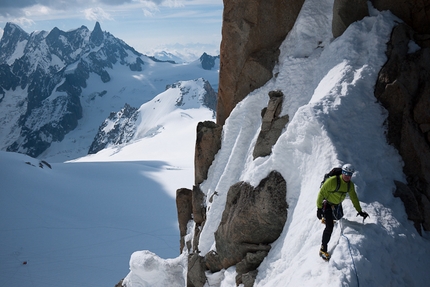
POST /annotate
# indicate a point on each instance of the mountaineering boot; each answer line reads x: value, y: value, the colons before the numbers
x: 324, y: 254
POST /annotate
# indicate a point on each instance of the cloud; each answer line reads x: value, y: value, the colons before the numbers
x: 96, y: 14
x: 173, y: 3
x: 23, y: 21
x: 19, y: 8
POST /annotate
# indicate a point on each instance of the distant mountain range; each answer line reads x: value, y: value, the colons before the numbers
x: 52, y: 83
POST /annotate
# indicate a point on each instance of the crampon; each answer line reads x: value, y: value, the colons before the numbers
x: 324, y: 255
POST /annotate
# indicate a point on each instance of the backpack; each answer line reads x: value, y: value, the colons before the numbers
x: 336, y: 171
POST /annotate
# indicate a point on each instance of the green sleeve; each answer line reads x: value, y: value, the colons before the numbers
x: 354, y: 198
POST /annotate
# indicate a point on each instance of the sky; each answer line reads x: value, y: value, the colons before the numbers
x: 186, y: 26
x: 328, y: 89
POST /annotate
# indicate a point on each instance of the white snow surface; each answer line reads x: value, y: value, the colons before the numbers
x: 74, y: 224
x: 78, y: 222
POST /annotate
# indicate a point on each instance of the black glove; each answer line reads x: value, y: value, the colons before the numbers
x: 319, y: 213
x: 363, y: 214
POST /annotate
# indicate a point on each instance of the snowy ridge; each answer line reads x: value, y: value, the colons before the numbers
x: 132, y: 124
x: 335, y: 120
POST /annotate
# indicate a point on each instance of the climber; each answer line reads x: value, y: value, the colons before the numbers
x: 329, y: 203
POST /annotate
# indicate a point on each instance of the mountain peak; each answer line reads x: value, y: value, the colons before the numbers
x: 13, y: 30
x: 97, y: 36
x: 12, y: 36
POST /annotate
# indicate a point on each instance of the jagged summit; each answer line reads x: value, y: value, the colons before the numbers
x: 209, y: 62
x: 97, y: 35
x: 13, y: 40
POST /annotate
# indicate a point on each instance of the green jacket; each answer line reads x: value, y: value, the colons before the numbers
x: 327, y: 192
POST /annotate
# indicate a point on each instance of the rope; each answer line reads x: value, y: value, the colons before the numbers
x: 350, y: 253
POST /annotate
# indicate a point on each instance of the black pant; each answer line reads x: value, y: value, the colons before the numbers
x: 329, y: 224
x: 329, y: 221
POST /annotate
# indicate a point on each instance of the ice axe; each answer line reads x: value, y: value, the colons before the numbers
x: 364, y: 214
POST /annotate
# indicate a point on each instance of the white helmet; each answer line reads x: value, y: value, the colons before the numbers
x: 348, y: 168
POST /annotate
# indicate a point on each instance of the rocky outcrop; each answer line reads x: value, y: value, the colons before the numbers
x: 207, y: 61
x: 252, y: 219
x: 208, y: 143
x: 122, y: 129
x: 184, y: 208
x: 252, y: 32
x: 403, y: 88
x: 271, y: 126
x: 415, y: 13
x: 346, y: 12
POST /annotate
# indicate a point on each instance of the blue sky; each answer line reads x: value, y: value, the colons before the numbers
x: 147, y: 25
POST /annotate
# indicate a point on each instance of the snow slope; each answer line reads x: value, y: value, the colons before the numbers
x: 335, y: 119
x: 77, y: 223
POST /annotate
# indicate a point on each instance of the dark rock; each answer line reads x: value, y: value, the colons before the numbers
x: 7, y: 79
x: 97, y: 35
x: 185, y: 209
x: 252, y: 32
x: 209, y: 97
x: 137, y: 66
x: 251, y: 262
x: 12, y: 35
x: 252, y: 219
x: 207, y: 61
x: 411, y: 204
x: 196, y: 271
x: 425, y: 207
x: 123, y: 130
x: 271, y: 126
x: 248, y: 279
x: 414, y: 13
x: 403, y: 88
x: 199, y: 210
x: 346, y: 12
x: 213, y: 261
x: 208, y: 143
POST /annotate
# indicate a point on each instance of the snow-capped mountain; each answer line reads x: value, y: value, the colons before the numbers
x: 131, y: 123
x: 53, y: 83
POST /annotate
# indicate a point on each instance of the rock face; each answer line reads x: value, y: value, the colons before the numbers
x: 403, y: 88
x: 271, y: 126
x: 248, y: 50
x: 123, y: 129
x: 346, y: 12
x: 207, y: 61
x: 252, y: 219
x: 208, y: 143
x: 415, y: 13
x: 184, y: 208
